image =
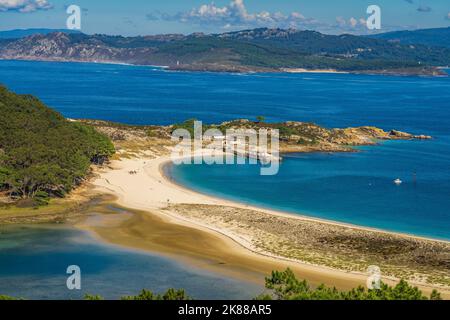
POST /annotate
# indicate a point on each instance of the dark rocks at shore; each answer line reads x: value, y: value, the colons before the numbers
x: 406, y: 136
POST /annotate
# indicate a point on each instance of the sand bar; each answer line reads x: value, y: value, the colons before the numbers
x: 154, y: 223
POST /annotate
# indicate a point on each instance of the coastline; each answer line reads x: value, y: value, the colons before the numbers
x: 244, y: 70
x: 299, y: 216
x: 301, y: 70
x: 211, y: 250
x: 105, y: 62
x: 221, y: 250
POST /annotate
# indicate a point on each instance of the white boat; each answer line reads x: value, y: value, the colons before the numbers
x: 398, y: 182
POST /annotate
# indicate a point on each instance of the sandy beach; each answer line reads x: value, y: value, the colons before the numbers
x: 161, y: 216
x: 302, y: 70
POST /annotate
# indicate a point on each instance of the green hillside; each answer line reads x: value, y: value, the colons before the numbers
x: 41, y: 153
x: 248, y: 50
x: 437, y: 37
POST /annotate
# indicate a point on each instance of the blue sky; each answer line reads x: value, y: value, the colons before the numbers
x: 139, y: 17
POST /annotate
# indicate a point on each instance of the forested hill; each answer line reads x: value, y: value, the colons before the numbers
x: 249, y: 50
x: 41, y: 153
x: 437, y: 37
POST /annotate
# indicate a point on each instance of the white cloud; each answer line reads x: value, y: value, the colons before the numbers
x: 340, y: 21
x: 236, y: 15
x: 352, y: 24
x: 448, y: 16
x: 24, y: 5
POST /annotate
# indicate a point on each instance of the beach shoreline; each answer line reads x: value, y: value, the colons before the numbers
x: 302, y: 70
x: 239, y: 71
x: 138, y: 192
x: 286, y: 214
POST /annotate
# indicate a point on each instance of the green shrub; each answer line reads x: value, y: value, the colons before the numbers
x: 285, y: 286
x: 171, y: 294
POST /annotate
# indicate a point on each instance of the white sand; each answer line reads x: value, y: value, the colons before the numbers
x: 149, y: 190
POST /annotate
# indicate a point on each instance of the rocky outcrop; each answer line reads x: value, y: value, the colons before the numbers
x: 394, y: 134
x: 60, y: 46
x: 294, y: 136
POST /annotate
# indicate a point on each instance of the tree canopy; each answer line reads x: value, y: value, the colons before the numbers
x: 285, y: 286
x: 41, y: 152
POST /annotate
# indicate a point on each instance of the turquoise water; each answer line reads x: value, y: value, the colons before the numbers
x: 33, y: 262
x: 353, y: 188
x: 350, y: 188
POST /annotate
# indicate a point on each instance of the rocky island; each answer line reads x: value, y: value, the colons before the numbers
x: 294, y: 136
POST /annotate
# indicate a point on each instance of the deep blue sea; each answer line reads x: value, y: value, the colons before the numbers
x: 34, y: 260
x: 354, y: 188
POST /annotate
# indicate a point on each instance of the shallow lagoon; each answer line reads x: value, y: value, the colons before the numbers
x: 33, y: 262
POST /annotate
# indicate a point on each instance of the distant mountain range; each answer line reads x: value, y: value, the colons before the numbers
x: 21, y: 33
x: 243, y: 51
x: 439, y: 37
